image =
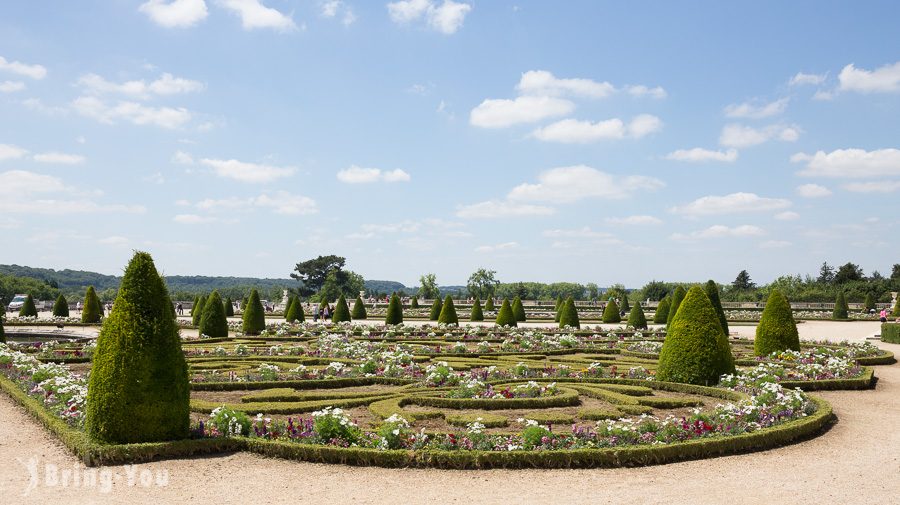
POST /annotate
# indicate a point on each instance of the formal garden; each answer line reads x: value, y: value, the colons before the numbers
x: 443, y: 394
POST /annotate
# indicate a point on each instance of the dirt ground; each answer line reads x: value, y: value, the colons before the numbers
x: 857, y: 460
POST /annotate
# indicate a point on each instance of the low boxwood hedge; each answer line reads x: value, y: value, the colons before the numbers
x: 890, y: 332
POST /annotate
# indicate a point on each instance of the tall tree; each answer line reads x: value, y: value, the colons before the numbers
x: 848, y: 272
x: 313, y: 273
x: 895, y: 272
x: 482, y: 283
x: 826, y: 274
x: 428, y: 287
x: 743, y: 281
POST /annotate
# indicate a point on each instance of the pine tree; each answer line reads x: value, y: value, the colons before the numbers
x: 394, y: 311
x: 448, y: 312
x: 341, y: 311
x: 197, y: 310
x: 138, y: 390
x: 636, y: 318
x: 213, y: 322
x: 28, y: 309
x: 569, y: 314
x: 489, y: 304
x: 506, y: 317
x: 777, y: 330
x: 840, y: 307
x: 662, y: 311
x: 61, y: 307
x: 558, y: 309
x: 712, y: 291
x: 674, y: 303
x: 518, y: 309
x: 359, y: 309
x: 611, y: 313
x: 91, y: 313
x: 435, y: 310
x: 477, y: 313
x: 254, y: 318
x: 229, y: 307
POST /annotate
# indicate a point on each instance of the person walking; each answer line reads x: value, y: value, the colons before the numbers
x: 883, y: 315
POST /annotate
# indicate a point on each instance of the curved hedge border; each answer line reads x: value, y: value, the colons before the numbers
x: 565, y: 398
x: 864, y: 381
x: 885, y: 358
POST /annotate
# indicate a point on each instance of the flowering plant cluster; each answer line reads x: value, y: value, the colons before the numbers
x: 645, y: 347
x: 474, y: 388
x: 63, y: 392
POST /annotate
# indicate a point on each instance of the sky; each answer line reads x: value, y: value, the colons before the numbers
x: 605, y: 142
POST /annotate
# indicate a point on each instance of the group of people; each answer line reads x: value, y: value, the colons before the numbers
x: 323, y: 313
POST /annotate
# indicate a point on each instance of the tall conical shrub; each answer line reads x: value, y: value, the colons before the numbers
x: 414, y: 304
x: 518, y: 309
x: 290, y: 312
x: 295, y: 311
x: 558, y: 308
x: 254, y: 318
x: 674, y: 303
x: 896, y: 311
x: 840, y: 307
x: 489, y: 304
x: 712, y: 291
x: 213, y: 322
x: 777, y: 330
x: 2, y: 333
x: 197, y: 310
x: 477, y: 313
x: 506, y: 317
x: 435, y: 309
x: 662, y: 311
x: 91, y: 312
x: 626, y: 307
x: 61, y: 307
x: 611, y: 313
x: 869, y: 302
x: 695, y: 350
x: 448, y: 312
x: 359, y: 309
x: 394, y: 311
x: 229, y: 307
x: 138, y: 389
x: 569, y: 314
x: 341, y: 311
x: 636, y: 318
x: 28, y: 309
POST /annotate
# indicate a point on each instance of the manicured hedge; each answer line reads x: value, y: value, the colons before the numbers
x: 777, y: 330
x: 448, y: 312
x: 890, y: 332
x: 92, y: 312
x: 477, y: 313
x: 564, y: 398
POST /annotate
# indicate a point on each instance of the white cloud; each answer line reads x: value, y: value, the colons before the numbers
x: 254, y: 15
x: 885, y: 79
x: 166, y: 84
x: 775, y: 244
x: 643, y: 125
x: 11, y: 86
x: 193, y: 219
x: 801, y: 79
x: 280, y: 202
x: 447, y: 18
x: 544, y: 83
x: 756, y: 110
x: 824, y: 95
x: 850, y: 163
x: 500, y: 113
x: 787, y: 216
x: 699, y: 155
x: 813, y: 191
x: 175, y: 14
x: 640, y: 90
x: 498, y: 209
x: 719, y: 231
x: 24, y: 192
x: 114, y: 240
x: 739, y: 136
x: 408, y: 11
x: 247, y: 172
x: 498, y: 247
x: 731, y: 204
x: 182, y: 158
x: 634, y: 220
x: 570, y: 184
x: 11, y: 152
x: 573, y: 131
x: 360, y: 175
x: 334, y: 8
x: 133, y: 112
x: 873, y: 187
x: 585, y: 232
x: 61, y: 158
x: 33, y: 71
x: 37, y: 105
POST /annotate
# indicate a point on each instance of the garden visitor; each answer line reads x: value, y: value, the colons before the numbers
x: 883, y: 315
x: 326, y: 312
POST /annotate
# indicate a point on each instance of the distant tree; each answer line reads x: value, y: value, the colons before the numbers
x: 655, y: 290
x: 743, y: 282
x: 482, y: 283
x: 826, y: 274
x: 895, y: 272
x: 593, y: 291
x: 428, y: 287
x: 847, y: 273
x: 313, y: 273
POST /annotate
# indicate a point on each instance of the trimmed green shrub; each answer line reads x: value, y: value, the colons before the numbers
x: 489, y: 304
x: 611, y: 313
x: 569, y: 314
x: 896, y: 311
x: 289, y: 315
x: 890, y: 332
x: 695, y: 350
x: 2, y: 333
x: 341, y: 311
x: 436, y: 308
x: 91, y: 313
x: 28, y: 309
x: 297, y: 314
x: 138, y: 389
x: 414, y: 304
x: 197, y: 310
x: 477, y: 313
x: 448, y: 312
x: 625, y: 307
x: 777, y: 330
x: 869, y: 302
x: 518, y: 309
x: 229, y: 307
x: 394, y: 311
x: 506, y: 317
x: 213, y: 323
x: 712, y: 291
x: 254, y: 319
x: 61, y: 307
x: 674, y: 303
x: 559, y: 306
x: 636, y: 318
x: 359, y: 309
x: 662, y: 311
x: 840, y: 307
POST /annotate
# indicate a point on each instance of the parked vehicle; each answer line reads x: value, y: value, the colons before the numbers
x: 17, y: 302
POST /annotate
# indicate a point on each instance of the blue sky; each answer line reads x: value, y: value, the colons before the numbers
x: 580, y: 141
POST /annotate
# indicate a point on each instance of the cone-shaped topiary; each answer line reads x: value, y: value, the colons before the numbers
x: 28, y: 309
x: 61, y: 307
x: 840, y: 307
x: 506, y: 317
x: 414, y: 304
x: 254, y: 319
x: 448, y: 312
x: 569, y: 314
x: 435, y: 309
x: 611, y: 313
x: 625, y: 307
x: 712, y: 291
x: 91, y: 312
x: 290, y: 313
x: 2, y: 333
x: 777, y: 330
x: 558, y: 309
x: 197, y: 310
x: 394, y: 311
x: 662, y: 311
x: 674, y: 303
x: 341, y: 311
x: 518, y: 309
x: 896, y: 311
x: 636, y: 318
x: 359, y: 309
x: 477, y: 313
x: 869, y: 302
x: 695, y: 350
x: 489, y: 304
x: 138, y: 389
x: 213, y: 322
x: 229, y: 307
